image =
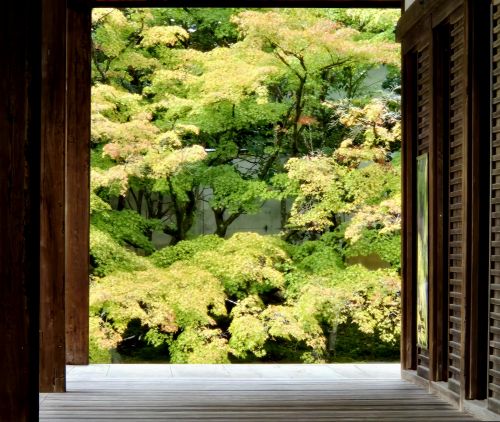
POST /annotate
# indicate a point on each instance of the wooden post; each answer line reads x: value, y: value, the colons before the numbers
x: 19, y: 210
x: 408, y: 330
x: 52, y: 203
x: 435, y: 208
x: 78, y: 186
x: 479, y: 144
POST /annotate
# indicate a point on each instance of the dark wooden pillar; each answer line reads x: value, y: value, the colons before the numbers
x: 437, y: 245
x: 78, y: 186
x: 408, y: 331
x: 439, y: 298
x: 479, y: 145
x: 19, y: 210
x: 52, y: 203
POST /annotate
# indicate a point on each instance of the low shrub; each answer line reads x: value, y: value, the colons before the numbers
x: 108, y: 256
x: 248, y: 298
x: 185, y: 250
x: 127, y: 228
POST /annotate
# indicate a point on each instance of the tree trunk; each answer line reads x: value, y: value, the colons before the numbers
x: 283, y: 213
x: 221, y: 224
x: 184, y: 214
x: 298, y: 112
x: 221, y: 228
x: 121, y: 203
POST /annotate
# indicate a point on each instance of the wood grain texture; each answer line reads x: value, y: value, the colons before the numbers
x: 52, y: 202
x: 78, y: 188
x: 19, y: 210
x: 245, y: 397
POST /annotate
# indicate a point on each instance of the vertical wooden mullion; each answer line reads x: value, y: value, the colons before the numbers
x: 423, y: 141
x: 78, y: 185
x: 478, y: 149
x: 408, y: 340
x: 433, y: 214
x: 440, y: 210
x: 52, y: 197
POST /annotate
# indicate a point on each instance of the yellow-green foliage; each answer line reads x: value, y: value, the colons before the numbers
x: 372, y: 21
x: 97, y: 204
x: 108, y: 256
x: 374, y: 125
x: 375, y: 306
x: 169, y: 299
x: 368, y: 298
x: 182, y: 305
x: 234, y: 193
x: 316, y: 39
x: 103, y: 340
x: 248, y: 332
x: 385, y: 219
x: 180, y: 98
x: 185, y: 250
x: 110, y: 23
x: 386, y: 246
x: 327, y: 188
x: 316, y: 257
x: 200, y: 346
x: 246, y: 264
x: 166, y: 35
x: 320, y: 194
x: 127, y: 227
x: 254, y: 325
x: 181, y: 300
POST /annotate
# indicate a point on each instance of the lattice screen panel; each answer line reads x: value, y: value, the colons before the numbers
x: 455, y: 196
x: 424, y: 131
x: 494, y: 337
x: 424, y: 83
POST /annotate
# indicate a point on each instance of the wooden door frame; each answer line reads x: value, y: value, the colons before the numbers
x: 78, y: 144
x: 45, y: 124
x: 79, y: 137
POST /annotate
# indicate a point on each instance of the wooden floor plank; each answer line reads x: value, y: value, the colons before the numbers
x: 221, y: 393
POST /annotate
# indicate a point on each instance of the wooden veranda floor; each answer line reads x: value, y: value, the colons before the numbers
x: 340, y: 392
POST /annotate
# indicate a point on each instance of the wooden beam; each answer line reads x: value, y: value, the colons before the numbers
x: 393, y: 4
x: 78, y: 187
x: 19, y: 212
x: 52, y: 204
x: 434, y: 11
